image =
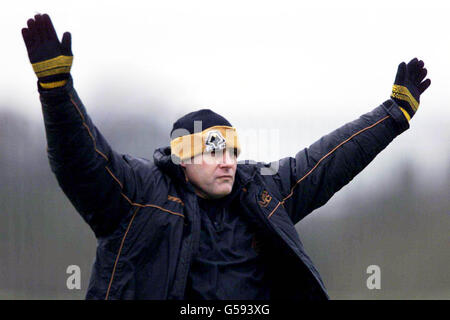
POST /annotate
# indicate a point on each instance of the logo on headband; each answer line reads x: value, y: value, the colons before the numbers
x: 214, y: 141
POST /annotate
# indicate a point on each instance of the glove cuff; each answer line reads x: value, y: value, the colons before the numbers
x: 402, y: 93
x: 407, y: 103
x: 52, y: 73
x: 407, y: 116
x: 51, y: 85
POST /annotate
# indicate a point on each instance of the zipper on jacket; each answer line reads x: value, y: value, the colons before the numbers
x: 275, y: 229
x: 192, y: 246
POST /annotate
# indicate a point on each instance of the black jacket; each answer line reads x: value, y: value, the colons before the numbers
x: 145, y: 215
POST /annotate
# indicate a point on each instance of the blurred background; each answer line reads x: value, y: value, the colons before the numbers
x: 295, y: 70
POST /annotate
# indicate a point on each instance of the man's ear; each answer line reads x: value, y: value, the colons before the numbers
x: 183, y: 162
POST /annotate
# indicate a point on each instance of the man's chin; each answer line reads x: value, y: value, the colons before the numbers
x: 221, y: 193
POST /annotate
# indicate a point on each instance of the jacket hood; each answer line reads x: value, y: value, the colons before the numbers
x: 163, y: 160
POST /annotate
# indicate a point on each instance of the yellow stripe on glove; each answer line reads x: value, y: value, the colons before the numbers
x: 53, y: 67
x: 52, y: 85
x: 402, y: 93
x: 407, y: 116
x: 58, y: 65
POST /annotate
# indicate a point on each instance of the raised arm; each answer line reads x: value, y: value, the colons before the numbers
x: 316, y: 173
x: 99, y: 182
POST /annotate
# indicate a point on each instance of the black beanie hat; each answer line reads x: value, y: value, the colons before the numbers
x: 208, y: 117
x: 215, y: 133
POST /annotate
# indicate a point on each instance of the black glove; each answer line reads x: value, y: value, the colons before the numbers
x: 51, y: 60
x: 409, y: 85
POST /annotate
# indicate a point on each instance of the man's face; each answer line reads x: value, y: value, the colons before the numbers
x: 212, y: 174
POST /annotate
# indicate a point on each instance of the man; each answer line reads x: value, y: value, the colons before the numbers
x: 195, y: 224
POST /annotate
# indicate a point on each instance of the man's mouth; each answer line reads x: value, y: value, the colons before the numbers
x: 225, y: 176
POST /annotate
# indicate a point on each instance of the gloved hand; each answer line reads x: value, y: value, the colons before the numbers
x: 409, y: 85
x: 51, y: 60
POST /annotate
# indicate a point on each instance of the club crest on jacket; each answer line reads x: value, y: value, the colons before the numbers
x: 265, y: 199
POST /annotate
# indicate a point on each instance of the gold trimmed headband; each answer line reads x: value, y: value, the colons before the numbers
x: 210, y: 139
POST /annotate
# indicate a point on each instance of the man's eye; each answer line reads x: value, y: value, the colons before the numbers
x: 232, y: 152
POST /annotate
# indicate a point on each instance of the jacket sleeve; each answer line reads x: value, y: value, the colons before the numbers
x: 316, y: 173
x: 99, y: 182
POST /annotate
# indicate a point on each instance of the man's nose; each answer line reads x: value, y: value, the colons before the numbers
x: 227, y: 159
